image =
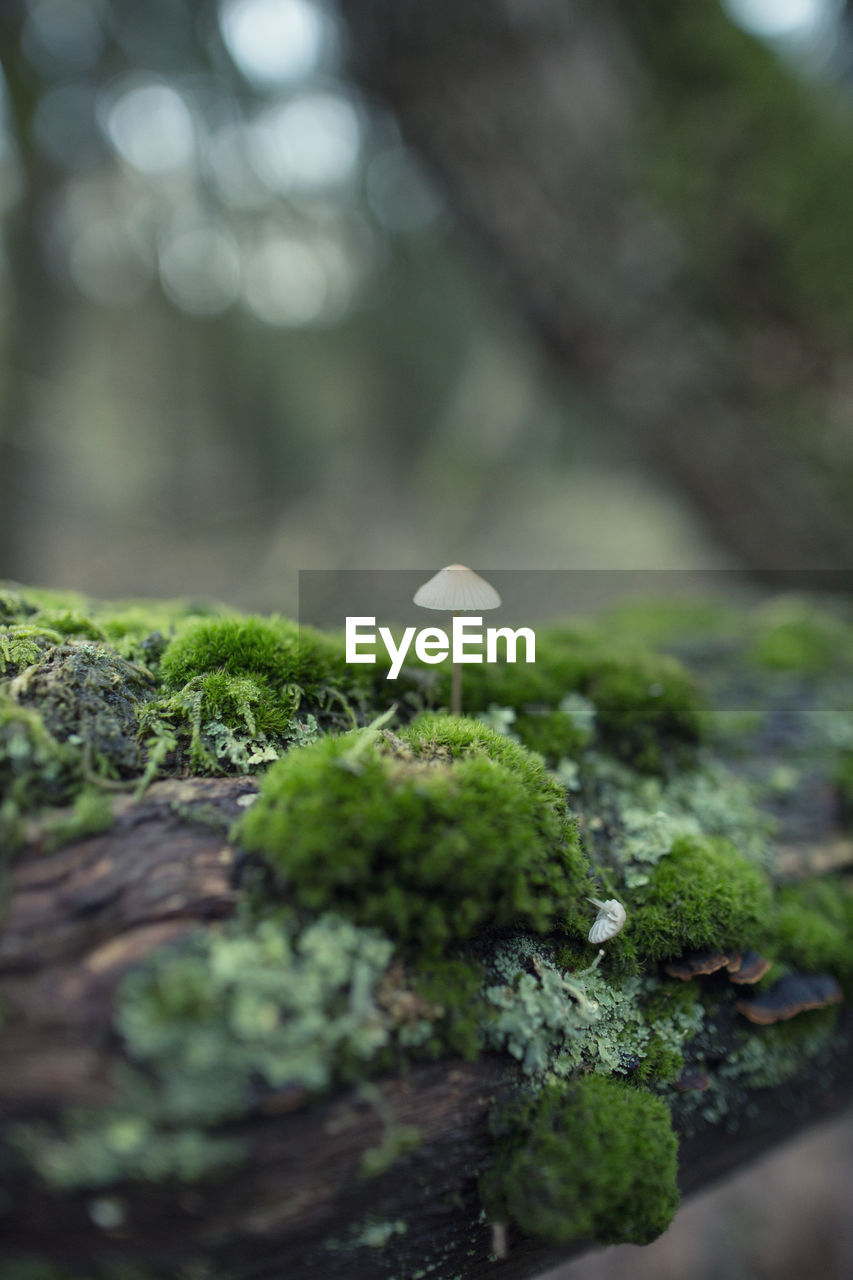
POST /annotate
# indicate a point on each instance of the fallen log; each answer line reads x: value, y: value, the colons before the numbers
x: 133, y: 1139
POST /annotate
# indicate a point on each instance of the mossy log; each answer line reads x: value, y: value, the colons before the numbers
x: 79, y: 918
x: 627, y: 170
x: 341, y: 1015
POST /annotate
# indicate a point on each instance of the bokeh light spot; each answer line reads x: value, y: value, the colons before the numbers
x: 151, y: 127
x: 307, y: 144
x: 285, y: 282
x: 781, y: 18
x: 200, y: 270
x: 272, y: 42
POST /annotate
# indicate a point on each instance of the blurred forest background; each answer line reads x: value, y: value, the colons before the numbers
x: 250, y: 320
x: 523, y: 283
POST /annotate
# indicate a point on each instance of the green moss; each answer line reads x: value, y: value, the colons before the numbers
x: 35, y: 769
x: 814, y: 928
x: 237, y: 646
x: 591, y: 1159
x: 218, y: 721
x: 90, y: 697
x: 91, y: 814
x: 675, y: 1016
x: 453, y: 990
x: 641, y: 816
x: 553, y: 734
x: 21, y: 646
x: 702, y: 894
x: 275, y: 651
x: 647, y: 709
x: 791, y: 634
x: 429, y: 852
x: 71, y: 623
x: 14, y: 607
x: 448, y: 738
x: 666, y: 621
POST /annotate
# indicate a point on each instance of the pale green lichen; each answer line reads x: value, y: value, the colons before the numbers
x: 372, y: 1233
x: 556, y: 1022
x: 644, y: 816
x: 206, y: 1020
x: 760, y: 1058
x: 397, y: 1139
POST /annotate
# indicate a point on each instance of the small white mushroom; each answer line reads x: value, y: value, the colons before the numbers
x: 610, y: 919
x: 456, y: 589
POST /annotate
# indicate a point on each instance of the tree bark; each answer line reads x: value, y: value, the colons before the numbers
x: 533, y: 117
x: 79, y: 918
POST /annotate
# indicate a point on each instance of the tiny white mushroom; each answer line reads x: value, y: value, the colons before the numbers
x: 610, y: 919
x: 456, y: 589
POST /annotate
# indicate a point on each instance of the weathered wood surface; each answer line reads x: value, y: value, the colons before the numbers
x: 77, y: 919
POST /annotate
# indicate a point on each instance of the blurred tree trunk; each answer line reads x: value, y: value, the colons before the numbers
x: 32, y: 324
x: 662, y: 199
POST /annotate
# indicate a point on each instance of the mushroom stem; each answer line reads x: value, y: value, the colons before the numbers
x: 456, y: 684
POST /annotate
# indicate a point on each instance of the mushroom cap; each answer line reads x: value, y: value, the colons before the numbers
x: 455, y: 588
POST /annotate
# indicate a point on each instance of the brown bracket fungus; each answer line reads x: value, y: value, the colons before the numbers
x: 750, y: 968
x: 693, y: 1082
x: 456, y: 589
x: 693, y: 964
x: 792, y: 994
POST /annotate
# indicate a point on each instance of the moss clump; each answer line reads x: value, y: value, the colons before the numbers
x: 790, y: 634
x: 89, y: 696
x: 13, y: 606
x: 275, y: 651
x: 814, y: 928
x: 35, y: 769
x: 647, y: 709
x: 429, y: 852
x: 592, y: 1159
x: 453, y: 990
x: 553, y: 734
x: 237, y: 646
x: 219, y: 721
x: 701, y: 894
x: 448, y: 738
x: 21, y: 646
